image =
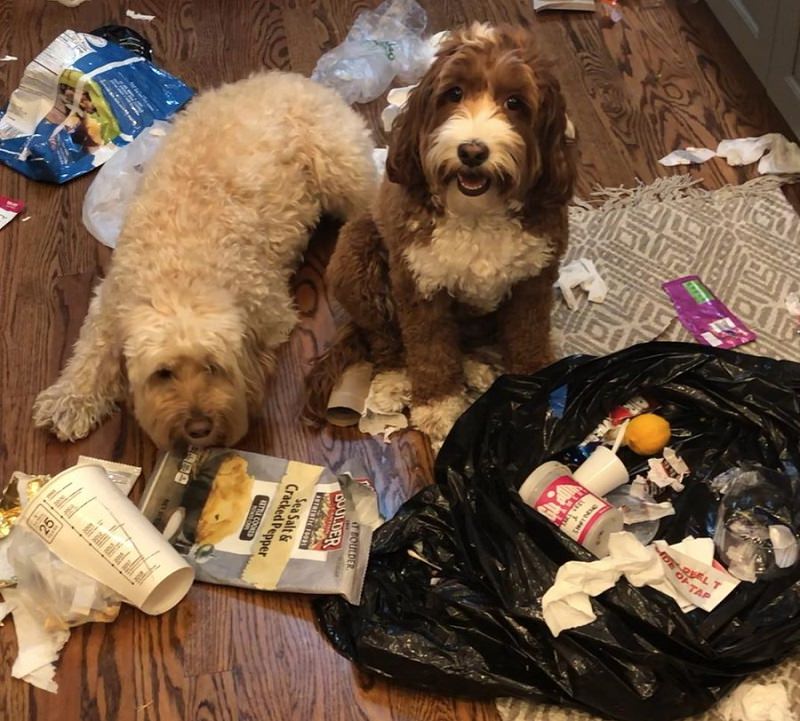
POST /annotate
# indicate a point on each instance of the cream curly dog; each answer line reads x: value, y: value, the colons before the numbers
x: 197, y: 297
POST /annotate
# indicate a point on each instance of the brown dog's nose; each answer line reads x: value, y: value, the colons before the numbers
x: 198, y: 427
x: 473, y: 153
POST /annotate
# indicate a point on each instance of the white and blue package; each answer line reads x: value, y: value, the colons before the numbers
x: 78, y: 102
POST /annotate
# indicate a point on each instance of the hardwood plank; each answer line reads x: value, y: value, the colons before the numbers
x: 664, y: 77
x: 212, y: 697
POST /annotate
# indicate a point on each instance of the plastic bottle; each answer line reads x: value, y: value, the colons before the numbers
x: 584, y: 517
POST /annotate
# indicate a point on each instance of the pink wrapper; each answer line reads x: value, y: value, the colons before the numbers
x: 706, y: 317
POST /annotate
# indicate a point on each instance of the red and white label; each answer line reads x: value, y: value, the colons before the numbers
x: 704, y: 585
x: 571, y: 507
x: 9, y: 209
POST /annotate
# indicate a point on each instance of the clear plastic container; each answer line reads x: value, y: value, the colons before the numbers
x: 584, y: 517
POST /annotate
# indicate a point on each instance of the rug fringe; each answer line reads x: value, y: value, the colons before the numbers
x: 677, y: 187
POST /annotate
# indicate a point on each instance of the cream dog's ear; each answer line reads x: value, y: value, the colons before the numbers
x: 255, y: 365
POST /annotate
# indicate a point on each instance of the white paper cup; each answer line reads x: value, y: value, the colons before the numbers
x: 89, y: 524
x: 602, y: 472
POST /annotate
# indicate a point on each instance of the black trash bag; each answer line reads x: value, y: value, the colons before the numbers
x: 463, y: 615
x: 127, y: 38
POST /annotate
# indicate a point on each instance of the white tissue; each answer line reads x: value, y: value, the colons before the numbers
x: 8, y: 59
x: 757, y: 702
x: 581, y: 273
x: 567, y: 603
x: 687, y: 156
x: 782, y: 156
x: 38, y: 648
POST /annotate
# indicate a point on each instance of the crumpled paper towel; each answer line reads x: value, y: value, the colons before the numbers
x: 567, y: 603
x: 581, y: 273
x: 774, y: 153
x: 38, y: 647
x: 687, y: 156
x: 757, y: 702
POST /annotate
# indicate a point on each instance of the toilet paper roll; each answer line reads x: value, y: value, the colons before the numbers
x: 346, y: 403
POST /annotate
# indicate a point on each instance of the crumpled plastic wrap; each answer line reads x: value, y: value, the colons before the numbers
x: 383, y: 44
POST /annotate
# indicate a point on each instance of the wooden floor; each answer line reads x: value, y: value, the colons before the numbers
x: 666, y: 77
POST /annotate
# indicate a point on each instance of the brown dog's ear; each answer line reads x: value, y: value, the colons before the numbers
x: 555, y: 184
x: 403, y: 161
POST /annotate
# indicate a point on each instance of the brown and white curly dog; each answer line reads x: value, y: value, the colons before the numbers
x: 465, y: 239
x: 197, y: 299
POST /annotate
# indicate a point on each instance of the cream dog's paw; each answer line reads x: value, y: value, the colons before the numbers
x: 435, y: 419
x: 389, y: 392
x: 479, y: 376
x: 67, y: 415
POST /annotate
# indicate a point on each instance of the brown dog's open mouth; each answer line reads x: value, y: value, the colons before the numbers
x: 472, y: 184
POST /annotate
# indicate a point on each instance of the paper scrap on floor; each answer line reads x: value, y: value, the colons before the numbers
x: 139, y: 16
x: 774, y: 153
x: 581, y: 273
x: 687, y: 156
x: 9, y: 209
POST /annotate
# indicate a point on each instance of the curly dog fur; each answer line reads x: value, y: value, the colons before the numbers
x: 465, y: 239
x: 197, y: 298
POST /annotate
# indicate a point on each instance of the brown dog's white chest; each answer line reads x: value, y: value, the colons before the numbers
x: 477, y: 259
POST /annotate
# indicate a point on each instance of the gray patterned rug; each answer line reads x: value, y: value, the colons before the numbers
x: 743, y: 241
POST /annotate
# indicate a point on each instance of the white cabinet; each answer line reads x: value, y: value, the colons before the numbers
x: 767, y: 33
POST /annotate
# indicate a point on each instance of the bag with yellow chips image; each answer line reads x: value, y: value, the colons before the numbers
x: 245, y: 519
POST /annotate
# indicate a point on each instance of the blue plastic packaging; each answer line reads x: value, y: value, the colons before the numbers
x: 78, y: 102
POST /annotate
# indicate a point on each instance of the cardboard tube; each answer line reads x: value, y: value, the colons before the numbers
x: 348, y: 396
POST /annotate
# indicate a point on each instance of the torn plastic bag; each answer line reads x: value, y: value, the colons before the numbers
x: 382, y: 44
x: 79, y: 101
x: 452, y: 598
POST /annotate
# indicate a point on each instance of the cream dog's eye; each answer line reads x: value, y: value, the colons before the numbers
x: 164, y: 374
x: 213, y: 369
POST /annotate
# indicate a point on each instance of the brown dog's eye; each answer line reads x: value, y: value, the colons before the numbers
x: 514, y: 103
x: 164, y: 374
x: 454, y: 95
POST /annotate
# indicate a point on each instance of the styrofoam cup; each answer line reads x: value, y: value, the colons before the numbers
x: 602, y: 472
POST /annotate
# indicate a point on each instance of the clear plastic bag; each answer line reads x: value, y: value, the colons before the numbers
x: 382, y: 44
x: 756, y: 522
x: 59, y: 595
x: 110, y: 193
